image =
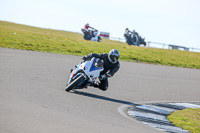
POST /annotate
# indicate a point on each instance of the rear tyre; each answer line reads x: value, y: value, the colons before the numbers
x: 74, y: 83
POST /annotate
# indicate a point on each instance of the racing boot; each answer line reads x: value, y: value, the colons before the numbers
x: 96, y: 85
x: 99, y: 86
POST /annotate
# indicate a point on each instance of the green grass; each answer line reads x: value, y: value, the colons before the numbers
x: 18, y: 36
x: 188, y: 119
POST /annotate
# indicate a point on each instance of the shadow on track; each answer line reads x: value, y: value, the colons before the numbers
x: 103, y: 98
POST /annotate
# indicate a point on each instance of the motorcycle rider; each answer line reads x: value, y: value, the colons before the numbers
x: 127, y: 33
x: 134, y: 32
x: 111, y: 66
x: 90, y: 29
x: 87, y: 26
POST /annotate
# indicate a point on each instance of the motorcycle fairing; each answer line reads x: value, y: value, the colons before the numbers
x: 93, y: 67
x: 97, y: 65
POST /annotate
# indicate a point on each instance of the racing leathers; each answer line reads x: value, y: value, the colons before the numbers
x: 109, y: 69
x: 90, y: 29
x: 86, y: 26
x: 127, y: 33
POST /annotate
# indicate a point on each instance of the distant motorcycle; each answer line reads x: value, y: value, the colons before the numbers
x: 91, y: 35
x: 134, y: 39
x: 85, y: 74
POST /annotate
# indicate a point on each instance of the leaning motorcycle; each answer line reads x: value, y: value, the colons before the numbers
x: 85, y: 74
x: 91, y: 35
x: 135, y: 39
x: 132, y: 39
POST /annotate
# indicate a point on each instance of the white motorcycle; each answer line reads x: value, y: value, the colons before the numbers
x: 85, y: 74
x: 91, y: 35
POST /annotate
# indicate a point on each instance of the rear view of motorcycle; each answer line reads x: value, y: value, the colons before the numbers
x: 84, y: 74
x: 91, y: 35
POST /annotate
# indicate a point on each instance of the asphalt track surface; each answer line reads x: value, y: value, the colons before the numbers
x: 33, y: 100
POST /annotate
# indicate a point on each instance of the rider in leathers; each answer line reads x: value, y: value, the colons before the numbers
x: 90, y: 29
x: 111, y: 66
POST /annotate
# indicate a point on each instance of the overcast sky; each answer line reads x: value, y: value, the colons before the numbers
x: 165, y: 21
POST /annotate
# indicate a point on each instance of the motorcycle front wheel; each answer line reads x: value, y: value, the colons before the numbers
x: 74, y: 83
x: 87, y: 37
x: 129, y: 42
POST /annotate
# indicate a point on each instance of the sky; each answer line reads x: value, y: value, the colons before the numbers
x: 164, y: 21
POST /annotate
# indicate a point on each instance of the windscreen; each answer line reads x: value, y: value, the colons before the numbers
x: 98, y: 63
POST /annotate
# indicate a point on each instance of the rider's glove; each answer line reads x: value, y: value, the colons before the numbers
x: 102, y: 77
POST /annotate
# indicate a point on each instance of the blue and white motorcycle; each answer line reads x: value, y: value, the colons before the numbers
x: 85, y: 74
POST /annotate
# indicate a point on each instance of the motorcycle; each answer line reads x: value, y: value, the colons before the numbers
x: 91, y: 35
x: 134, y: 39
x: 85, y: 74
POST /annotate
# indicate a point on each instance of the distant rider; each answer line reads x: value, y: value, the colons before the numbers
x: 90, y: 29
x: 134, y: 32
x: 87, y: 26
x: 127, y: 33
x: 111, y: 66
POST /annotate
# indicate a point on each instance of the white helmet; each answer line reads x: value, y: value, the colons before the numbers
x: 113, y: 56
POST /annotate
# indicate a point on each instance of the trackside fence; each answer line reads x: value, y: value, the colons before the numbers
x: 162, y: 45
x: 157, y: 44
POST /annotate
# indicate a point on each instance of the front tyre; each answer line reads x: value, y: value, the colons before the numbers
x: 74, y: 83
x: 128, y: 40
x: 87, y: 37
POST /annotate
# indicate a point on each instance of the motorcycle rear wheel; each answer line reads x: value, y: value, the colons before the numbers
x: 74, y: 83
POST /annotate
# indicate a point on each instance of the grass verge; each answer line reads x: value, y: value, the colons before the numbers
x: 19, y: 36
x: 188, y: 119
